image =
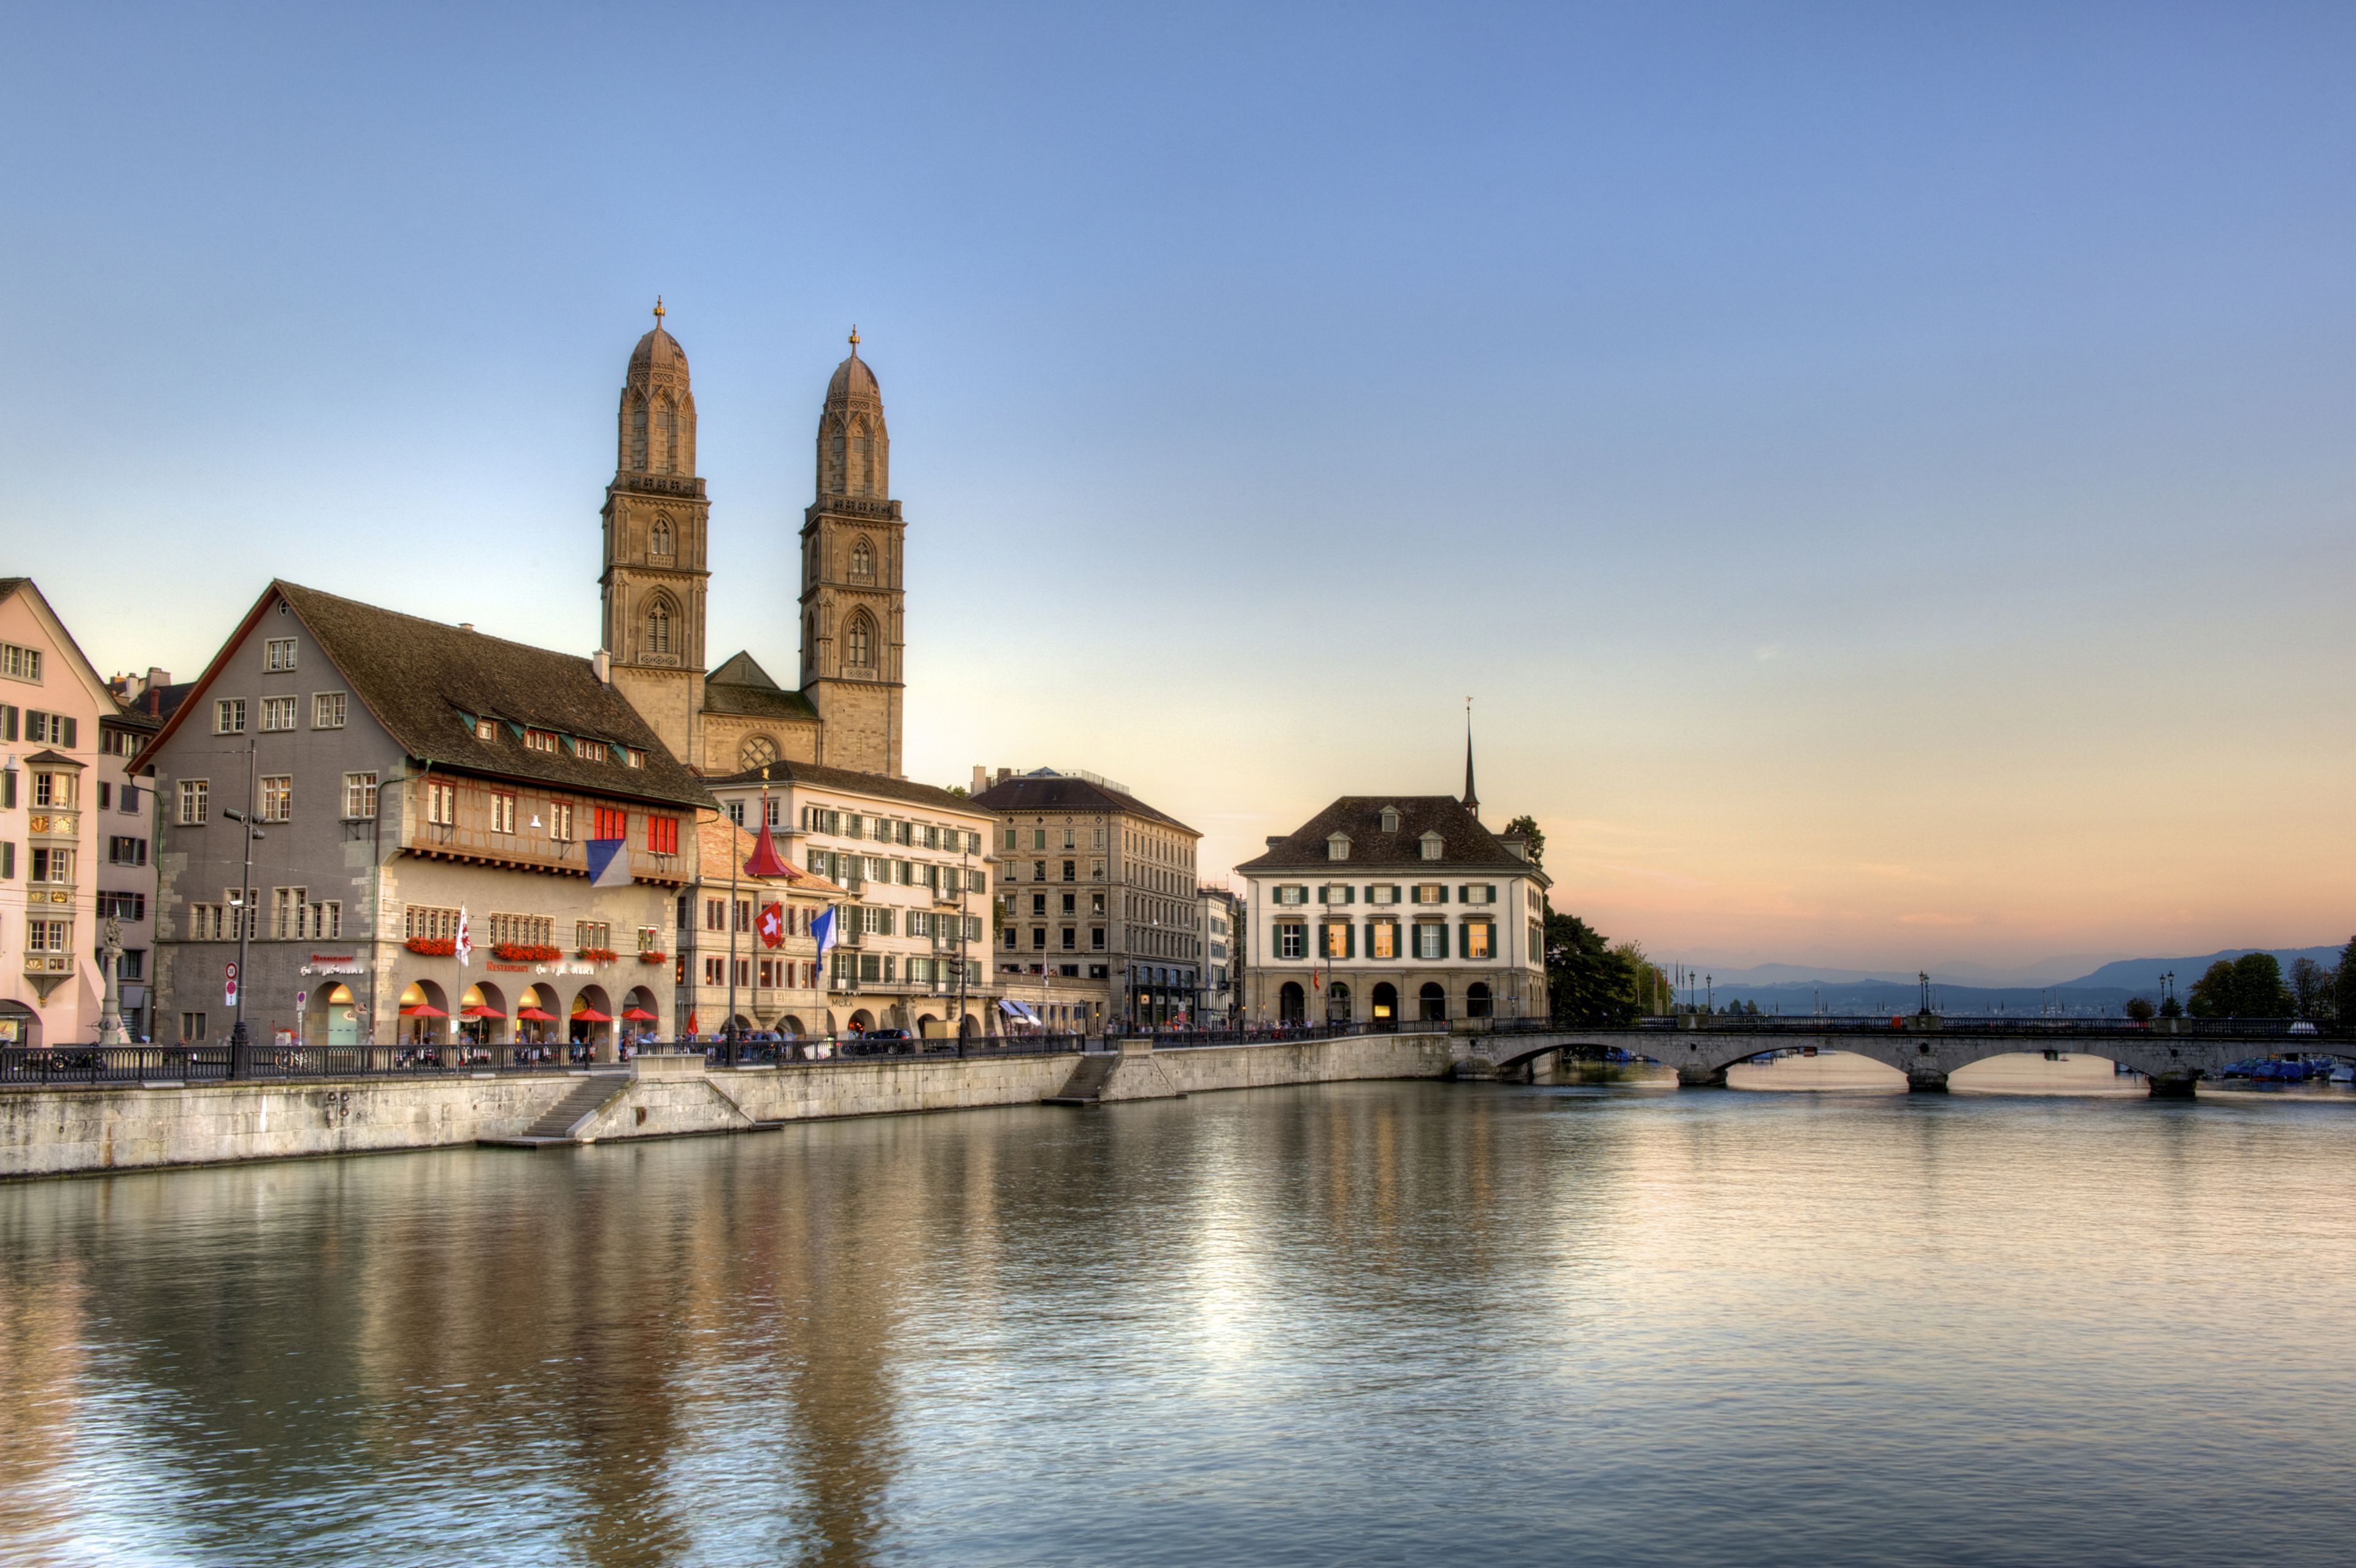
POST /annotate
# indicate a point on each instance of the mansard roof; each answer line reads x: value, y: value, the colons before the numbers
x: 1048, y: 790
x: 852, y: 782
x: 1465, y: 845
x: 428, y: 683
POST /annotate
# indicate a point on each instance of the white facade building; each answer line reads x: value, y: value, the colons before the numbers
x: 1388, y: 908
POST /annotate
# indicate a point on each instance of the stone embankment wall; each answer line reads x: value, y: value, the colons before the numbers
x: 58, y: 1132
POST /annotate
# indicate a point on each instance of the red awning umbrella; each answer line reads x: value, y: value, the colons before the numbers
x: 591, y: 1015
x: 536, y: 1015
x: 479, y: 1011
x: 640, y: 1015
x: 422, y: 1010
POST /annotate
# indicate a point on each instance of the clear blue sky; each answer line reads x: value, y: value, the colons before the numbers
x: 1885, y: 472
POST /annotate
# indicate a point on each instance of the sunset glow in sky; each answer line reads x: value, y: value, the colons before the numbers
x: 1887, y: 474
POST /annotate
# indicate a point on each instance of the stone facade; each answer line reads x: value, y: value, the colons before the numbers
x: 1099, y: 919
x: 853, y: 547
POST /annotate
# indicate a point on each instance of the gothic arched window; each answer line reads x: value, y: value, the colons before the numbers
x: 862, y: 558
x: 858, y: 643
x: 661, y: 537
x: 670, y: 436
x: 638, y: 434
x: 659, y: 626
x: 834, y: 461
x: 862, y: 459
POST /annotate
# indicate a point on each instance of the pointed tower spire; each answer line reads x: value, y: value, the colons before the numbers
x: 1471, y: 800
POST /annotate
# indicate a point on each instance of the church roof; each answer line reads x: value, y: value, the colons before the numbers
x: 428, y: 683
x: 1465, y: 845
x: 658, y: 351
x: 1048, y: 790
x: 850, y: 781
x: 852, y: 380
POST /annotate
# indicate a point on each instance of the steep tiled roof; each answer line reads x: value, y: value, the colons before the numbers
x: 1464, y: 843
x: 1044, y: 791
x: 845, y: 779
x: 424, y: 680
x: 426, y: 683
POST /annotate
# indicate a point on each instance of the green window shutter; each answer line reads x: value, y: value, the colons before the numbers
x: 1349, y: 942
x: 1444, y: 893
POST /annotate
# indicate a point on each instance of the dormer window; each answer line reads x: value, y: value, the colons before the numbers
x: 1390, y: 819
x: 1337, y: 846
x: 540, y: 741
x: 486, y: 728
x: 1432, y: 847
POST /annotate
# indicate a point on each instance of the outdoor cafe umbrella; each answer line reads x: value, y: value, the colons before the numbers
x: 536, y: 1015
x: 481, y: 1012
x: 422, y: 1010
x: 592, y: 1016
x: 640, y: 1016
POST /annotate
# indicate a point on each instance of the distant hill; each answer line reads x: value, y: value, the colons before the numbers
x: 1875, y: 999
x: 2143, y: 974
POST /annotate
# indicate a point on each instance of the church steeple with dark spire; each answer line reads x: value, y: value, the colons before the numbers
x: 1471, y: 800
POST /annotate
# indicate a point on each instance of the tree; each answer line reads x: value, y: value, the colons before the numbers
x: 1527, y: 827
x: 1655, y: 993
x: 1587, y: 982
x: 2140, y: 1010
x: 2311, y: 988
x: 2250, y: 987
x: 2170, y: 1007
x: 2343, y: 984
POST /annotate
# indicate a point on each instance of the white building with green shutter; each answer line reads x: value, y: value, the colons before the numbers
x: 1383, y: 908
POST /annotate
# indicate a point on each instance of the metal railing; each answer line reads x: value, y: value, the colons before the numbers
x: 2027, y: 1027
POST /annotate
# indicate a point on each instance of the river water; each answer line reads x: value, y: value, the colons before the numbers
x: 1385, y: 1323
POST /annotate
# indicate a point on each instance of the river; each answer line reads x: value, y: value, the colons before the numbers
x: 1383, y: 1323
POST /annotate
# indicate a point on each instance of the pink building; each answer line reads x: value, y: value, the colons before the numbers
x: 74, y: 831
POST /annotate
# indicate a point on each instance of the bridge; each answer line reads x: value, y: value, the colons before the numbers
x: 2173, y: 1054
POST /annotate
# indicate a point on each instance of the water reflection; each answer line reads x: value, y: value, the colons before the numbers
x: 1387, y: 1322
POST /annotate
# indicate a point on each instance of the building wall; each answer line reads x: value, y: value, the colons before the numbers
x: 1516, y: 974
x: 60, y: 1000
x: 1143, y: 868
x: 852, y: 993
x: 368, y: 870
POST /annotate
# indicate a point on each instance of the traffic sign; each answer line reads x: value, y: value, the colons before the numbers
x: 229, y: 984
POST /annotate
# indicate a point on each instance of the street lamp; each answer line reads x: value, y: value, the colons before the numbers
x: 245, y: 905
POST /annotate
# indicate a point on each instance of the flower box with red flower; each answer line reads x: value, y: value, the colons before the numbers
x: 527, y: 953
x: 433, y: 946
x: 654, y: 957
x: 596, y: 955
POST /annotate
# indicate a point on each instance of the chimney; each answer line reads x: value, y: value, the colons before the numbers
x: 465, y: 625
x: 603, y: 662
x: 980, y: 778
x: 1276, y: 838
x: 1005, y: 774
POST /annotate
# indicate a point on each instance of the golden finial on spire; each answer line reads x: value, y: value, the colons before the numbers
x: 659, y: 312
x: 854, y: 340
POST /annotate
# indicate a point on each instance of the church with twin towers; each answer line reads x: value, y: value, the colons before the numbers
x: 845, y: 709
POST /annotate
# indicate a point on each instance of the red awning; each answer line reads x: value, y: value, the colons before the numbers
x: 591, y: 1015
x: 640, y: 1015
x: 536, y: 1015
x: 479, y: 1011
x: 422, y: 1010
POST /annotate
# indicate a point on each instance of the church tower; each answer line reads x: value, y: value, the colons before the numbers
x: 851, y: 557
x: 655, y: 517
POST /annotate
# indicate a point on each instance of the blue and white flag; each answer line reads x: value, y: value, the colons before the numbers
x: 609, y: 863
x: 828, y: 928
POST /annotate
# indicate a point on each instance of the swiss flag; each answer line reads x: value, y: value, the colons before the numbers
x: 773, y: 924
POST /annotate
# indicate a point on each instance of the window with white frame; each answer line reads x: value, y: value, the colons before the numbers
x: 441, y: 804
x: 277, y: 798
x: 277, y: 713
x: 1434, y: 846
x: 1431, y: 940
x: 360, y: 795
x: 328, y: 711
x: 1291, y: 940
x: 195, y: 800
x: 20, y: 663
x: 278, y: 653
x: 1292, y: 893
x: 228, y: 716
